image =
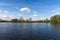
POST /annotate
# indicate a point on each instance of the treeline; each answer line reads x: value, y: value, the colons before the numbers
x: 55, y: 19
x: 22, y: 20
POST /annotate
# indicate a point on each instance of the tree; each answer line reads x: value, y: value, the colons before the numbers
x: 55, y: 19
x: 14, y: 20
x: 21, y: 19
x: 46, y: 20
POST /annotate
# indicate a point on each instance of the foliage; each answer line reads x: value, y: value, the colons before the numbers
x: 14, y: 20
x: 55, y: 19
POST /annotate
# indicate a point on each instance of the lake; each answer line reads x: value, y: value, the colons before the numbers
x: 29, y: 31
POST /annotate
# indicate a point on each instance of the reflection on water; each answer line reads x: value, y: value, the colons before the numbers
x: 29, y: 31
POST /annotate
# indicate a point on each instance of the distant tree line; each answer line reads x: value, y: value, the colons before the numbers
x: 22, y: 20
x: 53, y: 19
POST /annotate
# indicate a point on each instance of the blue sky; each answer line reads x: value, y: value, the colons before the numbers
x: 35, y: 9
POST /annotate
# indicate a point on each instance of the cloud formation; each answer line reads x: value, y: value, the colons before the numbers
x: 5, y: 17
x: 35, y: 14
x: 5, y: 11
x: 25, y: 9
x: 0, y: 11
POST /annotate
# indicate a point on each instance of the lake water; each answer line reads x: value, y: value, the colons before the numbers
x: 29, y: 31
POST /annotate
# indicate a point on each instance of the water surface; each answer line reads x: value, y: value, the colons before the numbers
x: 29, y: 31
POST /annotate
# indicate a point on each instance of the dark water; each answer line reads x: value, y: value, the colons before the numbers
x: 29, y: 31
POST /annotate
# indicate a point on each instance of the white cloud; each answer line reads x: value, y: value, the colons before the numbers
x: 19, y: 15
x: 35, y: 15
x: 56, y: 12
x: 5, y: 11
x: 0, y: 11
x: 25, y: 9
x: 5, y: 17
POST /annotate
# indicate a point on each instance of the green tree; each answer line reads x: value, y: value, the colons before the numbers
x: 14, y: 20
x: 55, y: 19
x: 46, y: 20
